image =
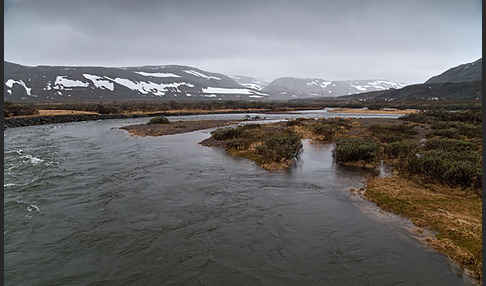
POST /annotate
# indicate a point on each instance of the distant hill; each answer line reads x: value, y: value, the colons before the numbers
x: 428, y: 91
x: 250, y: 82
x: 63, y: 83
x: 292, y: 88
x: 465, y: 72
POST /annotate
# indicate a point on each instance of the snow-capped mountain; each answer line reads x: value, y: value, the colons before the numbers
x: 250, y: 82
x: 59, y: 83
x: 461, y: 73
x: 288, y: 87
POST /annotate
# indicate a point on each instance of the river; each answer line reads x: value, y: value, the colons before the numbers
x: 88, y: 204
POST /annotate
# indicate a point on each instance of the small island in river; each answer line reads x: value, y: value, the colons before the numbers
x: 175, y: 127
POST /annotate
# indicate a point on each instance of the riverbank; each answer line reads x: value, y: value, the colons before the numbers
x: 449, y: 205
x: 65, y: 116
x: 22, y: 121
x: 372, y: 111
x: 453, y: 215
x: 175, y: 127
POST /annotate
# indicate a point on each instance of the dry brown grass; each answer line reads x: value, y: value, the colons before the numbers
x: 45, y: 112
x: 368, y: 111
x: 200, y: 111
x: 455, y: 216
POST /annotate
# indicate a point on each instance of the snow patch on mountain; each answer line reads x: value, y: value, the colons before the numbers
x: 99, y: 82
x: 11, y: 82
x: 319, y: 83
x: 227, y: 90
x: 143, y: 87
x: 250, y: 82
x: 196, y: 73
x: 158, y: 74
x: 63, y: 82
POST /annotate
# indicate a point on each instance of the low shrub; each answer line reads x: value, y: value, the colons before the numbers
x: 13, y: 109
x: 226, y: 133
x: 453, y: 168
x: 450, y: 145
x: 356, y: 149
x: 159, y: 120
x: 239, y: 144
x: 419, y: 117
x: 285, y: 145
x: 392, y: 133
x: 326, y: 130
x: 249, y: 126
x: 400, y: 149
x: 447, y: 133
x: 107, y: 109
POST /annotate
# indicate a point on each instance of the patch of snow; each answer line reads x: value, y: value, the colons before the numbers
x: 359, y: 87
x: 227, y: 90
x: 210, y: 95
x: 99, y: 82
x: 9, y: 91
x: 150, y: 87
x: 252, y: 85
x: 196, y: 73
x: 11, y: 82
x: 318, y: 83
x: 158, y: 74
x: 255, y: 96
x: 62, y: 82
x: 384, y: 84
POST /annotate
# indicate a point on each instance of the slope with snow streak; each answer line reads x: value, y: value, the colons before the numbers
x: 54, y: 83
x: 10, y: 82
x: 300, y: 87
x: 99, y: 82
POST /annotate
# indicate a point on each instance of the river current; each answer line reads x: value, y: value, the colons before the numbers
x: 88, y: 204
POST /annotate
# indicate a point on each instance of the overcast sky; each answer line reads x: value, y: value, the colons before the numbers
x: 402, y: 40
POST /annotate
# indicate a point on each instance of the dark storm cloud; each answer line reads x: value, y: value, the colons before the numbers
x: 399, y: 40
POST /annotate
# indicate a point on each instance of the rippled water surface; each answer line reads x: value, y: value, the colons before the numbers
x: 88, y: 204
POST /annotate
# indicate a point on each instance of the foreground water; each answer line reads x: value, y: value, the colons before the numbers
x: 88, y: 204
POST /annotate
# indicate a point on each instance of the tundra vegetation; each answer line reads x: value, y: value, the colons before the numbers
x: 436, y: 160
x: 159, y: 120
x: 272, y: 146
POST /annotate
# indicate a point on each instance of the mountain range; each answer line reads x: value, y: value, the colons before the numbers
x: 61, y: 83
x: 462, y: 82
x: 291, y: 88
x: 82, y: 83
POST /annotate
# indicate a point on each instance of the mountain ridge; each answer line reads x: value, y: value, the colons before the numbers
x: 59, y: 83
x: 464, y: 72
x: 293, y: 87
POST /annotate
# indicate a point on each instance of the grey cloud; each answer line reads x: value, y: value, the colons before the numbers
x: 398, y: 40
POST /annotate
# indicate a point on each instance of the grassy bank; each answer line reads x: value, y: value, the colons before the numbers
x: 436, y: 183
x: 160, y: 128
x: 271, y: 146
x: 437, y: 160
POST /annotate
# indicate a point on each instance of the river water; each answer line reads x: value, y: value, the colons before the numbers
x: 88, y: 204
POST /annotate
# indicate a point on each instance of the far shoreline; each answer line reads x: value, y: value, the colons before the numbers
x: 372, y: 111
